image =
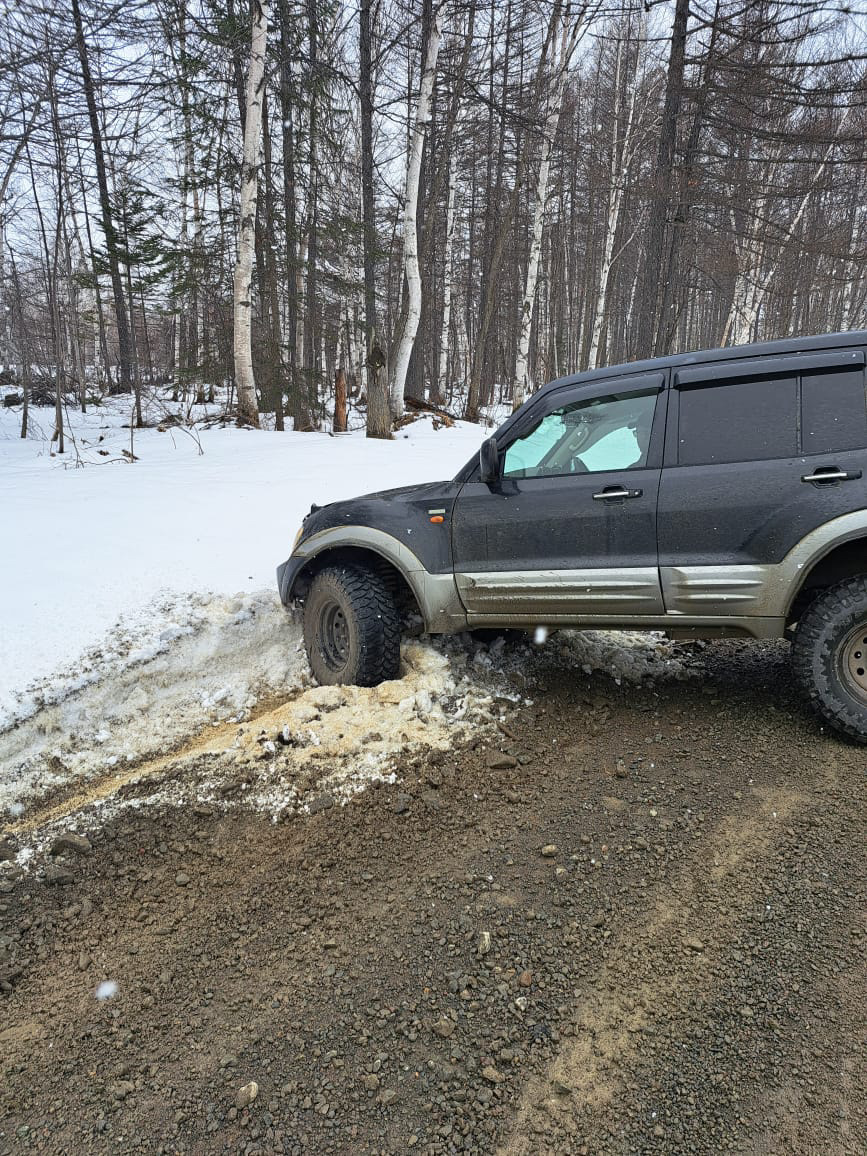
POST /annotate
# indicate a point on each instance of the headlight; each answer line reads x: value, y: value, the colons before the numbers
x: 297, y: 539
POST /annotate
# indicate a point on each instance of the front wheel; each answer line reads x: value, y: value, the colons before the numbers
x: 351, y: 627
x: 829, y: 656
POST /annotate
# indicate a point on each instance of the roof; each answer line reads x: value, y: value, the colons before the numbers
x: 733, y: 352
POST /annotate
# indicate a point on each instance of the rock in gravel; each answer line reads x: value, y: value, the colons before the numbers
x: 388, y: 1096
x: 323, y: 802
x: 549, y: 850
x: 692, y: 944
x: 401, y: 804
x: 370, y: 1081
x: 56, y: 875
x: 7, y: 851
x: 182, y: 879
x: 120, y: 1089
x: 484, y: 944
x: 500, y: 761
x: 444, y: 1027
x: 492, y: 1075
x: 70, y: 841
x: 83, y: 961
x: 525, y: 979
x: 246, y: 1095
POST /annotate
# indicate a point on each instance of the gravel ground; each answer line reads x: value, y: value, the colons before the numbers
x: 634, y: 922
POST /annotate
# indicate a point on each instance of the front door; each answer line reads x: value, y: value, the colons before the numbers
x: 568, y: 533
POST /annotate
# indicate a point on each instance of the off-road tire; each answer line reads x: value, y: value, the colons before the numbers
x: 351, y: 627
x: 831, y: 632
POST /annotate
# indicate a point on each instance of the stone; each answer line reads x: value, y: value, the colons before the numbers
x: 69, y: 841
x: 246, y: 1095
x: 7, y: 851
x: 492, y: 1075
x: 370, y: 1082
x: 57, y: 876
x: 525, y: 979
x: 182, y: 879
x: 323, y: 802
x: 120, y: 1089
x: 401, y: 804
x: 388, y: 1096
x: 549, y: 850
x: 500, y: 761
x: 692, y: 944
x: 444, y: 1027
x: 484, y: 944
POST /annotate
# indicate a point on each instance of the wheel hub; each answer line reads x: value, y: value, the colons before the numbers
x: 853, y: 662
x: 334, y: 636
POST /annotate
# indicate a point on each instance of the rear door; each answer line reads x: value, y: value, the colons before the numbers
x: 759, y: 453
x: 570, y: 529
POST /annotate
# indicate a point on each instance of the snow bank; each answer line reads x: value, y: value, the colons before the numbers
x: 85, y: 547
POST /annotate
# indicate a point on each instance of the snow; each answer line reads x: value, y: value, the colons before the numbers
x: 85, y: 547
x: 146, y: 659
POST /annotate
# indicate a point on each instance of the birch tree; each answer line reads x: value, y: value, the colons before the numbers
x: 573, y: 28
x: 439, y: 391
x: 753, y: 282
x: 623, y: 149
x: 248, y: 410
x: 406, y: 339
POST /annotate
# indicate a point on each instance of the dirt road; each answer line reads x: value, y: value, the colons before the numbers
x: 636, y: 923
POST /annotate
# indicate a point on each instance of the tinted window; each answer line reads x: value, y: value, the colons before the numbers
x: 590, y: 436
x: 739, y: 422
x: 833, y: 411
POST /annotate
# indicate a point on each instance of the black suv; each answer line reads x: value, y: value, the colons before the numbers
x: 713, y: 494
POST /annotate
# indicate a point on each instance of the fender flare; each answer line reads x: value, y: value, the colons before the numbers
x: 435, y: 594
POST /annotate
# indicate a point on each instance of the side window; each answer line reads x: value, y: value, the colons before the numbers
x: 588, y: 436
x: 740, y: 421
x: 833, y: 411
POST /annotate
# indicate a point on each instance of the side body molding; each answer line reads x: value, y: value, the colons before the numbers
x: 761, y: 590
x: 436, y: 594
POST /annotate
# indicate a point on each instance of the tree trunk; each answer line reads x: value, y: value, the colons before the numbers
x: 378, y: 414
x: 441, y: 383
x: 568, y: 43
x: 111, y: 243
x: 340, y: 401
x: 248, y: 411
x: 406, y: 340
x: 651, y: 285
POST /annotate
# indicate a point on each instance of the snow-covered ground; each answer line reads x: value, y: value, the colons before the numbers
x: 84, y: 547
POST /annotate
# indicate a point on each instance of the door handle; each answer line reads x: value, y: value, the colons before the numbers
x: 616, y: 494
x: 828, y: 475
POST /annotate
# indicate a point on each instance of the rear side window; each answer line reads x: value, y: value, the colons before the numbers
x: 833, y: 411
x: 738, y: 422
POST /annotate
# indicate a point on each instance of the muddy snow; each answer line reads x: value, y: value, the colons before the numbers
x: 208, y: 701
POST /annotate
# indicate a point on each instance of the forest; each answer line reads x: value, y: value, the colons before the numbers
x: 314, y: 208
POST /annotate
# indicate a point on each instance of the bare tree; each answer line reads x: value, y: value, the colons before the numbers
x: 406, y: 339
x: 248, y: 410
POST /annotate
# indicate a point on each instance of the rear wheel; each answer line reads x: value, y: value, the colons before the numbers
x: 829, y: 655
x: 351, y: 627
